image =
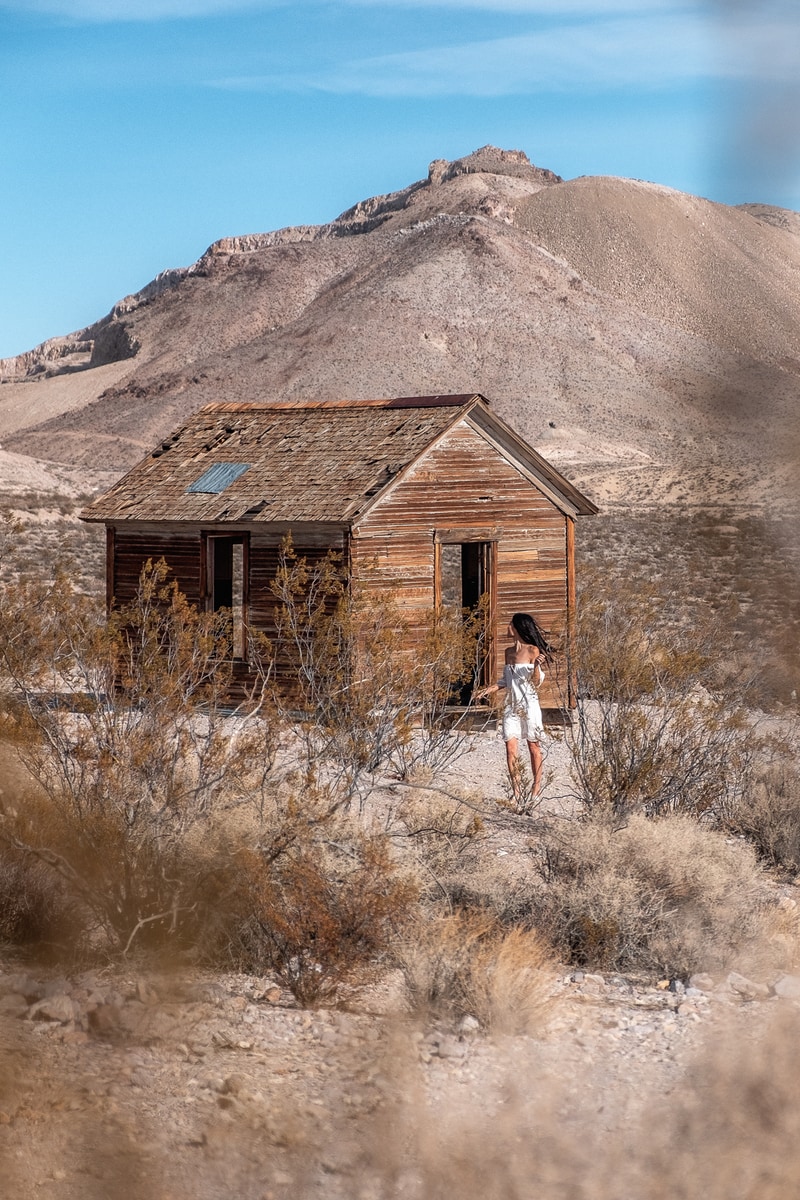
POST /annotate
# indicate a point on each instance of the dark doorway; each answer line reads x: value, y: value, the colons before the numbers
x: 464, y: 583
x: 226, y: 559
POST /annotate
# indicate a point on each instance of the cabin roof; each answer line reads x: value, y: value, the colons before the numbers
x: 289, y: 461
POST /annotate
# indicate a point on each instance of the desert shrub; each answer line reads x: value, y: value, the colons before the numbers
x: 658, y: 726
x: 437, y: 831
x: 768, y: 814
x: 320, y: 913
x: 367, y: 704
x: 465, y: 963
x: 34, y: 908
x: 666, y: 896
x: 120, y: 724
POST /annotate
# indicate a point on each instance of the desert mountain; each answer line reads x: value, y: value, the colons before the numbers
x: 645, y: 340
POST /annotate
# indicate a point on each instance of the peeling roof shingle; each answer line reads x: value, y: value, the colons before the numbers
x: 308, y: 461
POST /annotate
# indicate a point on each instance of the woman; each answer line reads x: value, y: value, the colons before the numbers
x: 522, y: 714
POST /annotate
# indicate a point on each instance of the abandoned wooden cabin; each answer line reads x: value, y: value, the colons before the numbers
x: 432, y: 496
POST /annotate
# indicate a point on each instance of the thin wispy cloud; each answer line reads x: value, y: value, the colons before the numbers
x: 594, y: 54
x: 119, y: 11
x: 116, y: 11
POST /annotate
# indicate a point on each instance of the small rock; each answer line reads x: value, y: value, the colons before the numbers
x: 677, y: 986
x: 233, y: 1085
x: 104, y: 1021
x: 146, y: 992
x: 57, y: 987
x: 450, y: 1047
x: 31, y: 989
x: 788, y: 987
x: 54, y: 1008
x: 469, y: 1024
x: 703, y: 983
x: 747, y: 988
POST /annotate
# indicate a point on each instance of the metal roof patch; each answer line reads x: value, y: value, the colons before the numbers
x: 218, y: 477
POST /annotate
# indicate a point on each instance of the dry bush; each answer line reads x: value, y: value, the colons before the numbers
x: 769, y: 814
x: 736, y: 1133
x: 437, y: 831
x: 666, y: 896
x: 120, y: 724
x: 320, y: 912
x: 35, y: 909
x: 658, y: 726
x: 466, y: 964
x: 368, y: 705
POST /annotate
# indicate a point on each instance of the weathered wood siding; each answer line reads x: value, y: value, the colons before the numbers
x: 183, y: 551
x: 265, y: 558
x: 463, y: 489
x: 179, y: 548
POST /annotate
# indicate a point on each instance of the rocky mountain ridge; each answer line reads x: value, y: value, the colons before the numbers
x: 628, y: 330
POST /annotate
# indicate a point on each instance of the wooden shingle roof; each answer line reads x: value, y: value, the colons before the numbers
x: 287, y: 461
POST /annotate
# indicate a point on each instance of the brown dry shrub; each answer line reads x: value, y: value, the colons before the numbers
x: 321, y: 913
x: 660, y: 725
x: 769, y: 815
x: 666, y: 896
x: 440, y: 832
x: 35, y: 911
x: 467, y: 964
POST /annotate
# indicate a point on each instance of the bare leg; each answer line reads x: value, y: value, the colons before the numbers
x: 536, y: 766
x: 512, y: 752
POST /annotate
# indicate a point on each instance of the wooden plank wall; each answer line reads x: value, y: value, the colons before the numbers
x: 179, y: 548
x: 182, y: 551
x: 464, y: 484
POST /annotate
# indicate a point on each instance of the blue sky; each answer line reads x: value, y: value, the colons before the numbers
x: 133, y: 133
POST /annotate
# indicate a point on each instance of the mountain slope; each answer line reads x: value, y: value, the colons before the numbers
x: 634, y: 334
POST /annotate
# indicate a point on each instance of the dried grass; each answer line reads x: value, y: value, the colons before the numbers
x: 666, y: 896
x: 465, y: 964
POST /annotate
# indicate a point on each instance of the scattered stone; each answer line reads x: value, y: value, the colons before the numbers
x: 469, y: 1024
x: 788, y: 987
x: 450, y: 1047
x: 703, y: 982
x: 747, y: 988
x: 57, y: 1007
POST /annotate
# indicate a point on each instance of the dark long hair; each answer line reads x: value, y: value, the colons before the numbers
x: 529, y: 632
